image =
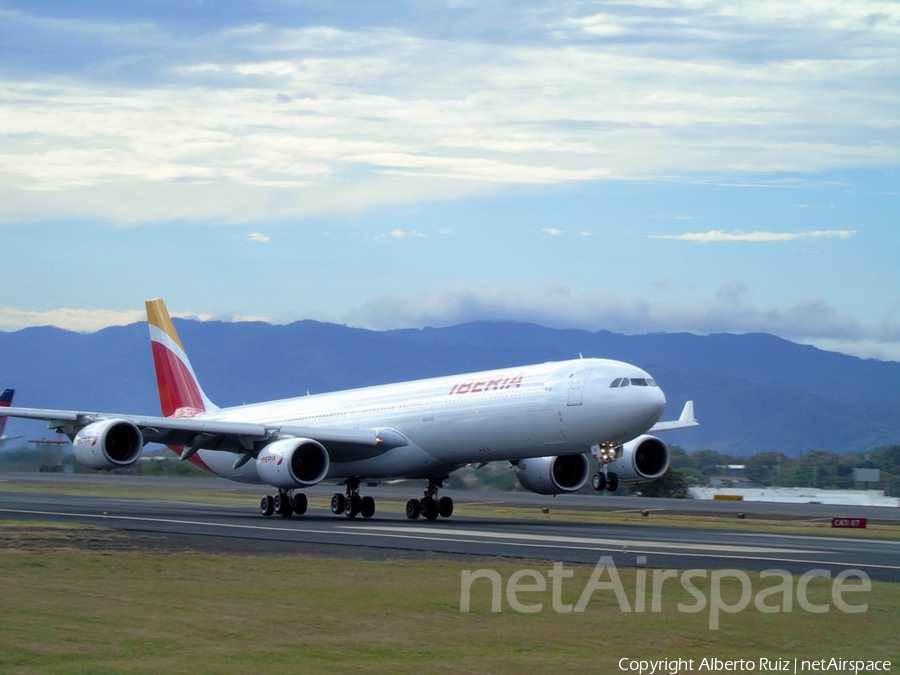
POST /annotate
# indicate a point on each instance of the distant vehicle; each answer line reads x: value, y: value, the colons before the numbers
x: 6, y: 401
x: 544, y: 419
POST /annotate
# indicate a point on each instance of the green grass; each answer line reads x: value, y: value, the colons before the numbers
x: 66, y: 611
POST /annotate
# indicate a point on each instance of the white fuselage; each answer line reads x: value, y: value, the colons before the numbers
x: 557, y: 408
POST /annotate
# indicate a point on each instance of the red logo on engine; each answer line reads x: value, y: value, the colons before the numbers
x: 280, y: 460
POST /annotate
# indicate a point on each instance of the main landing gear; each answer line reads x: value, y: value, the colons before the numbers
x: 430, y: 506
x: 352, y: 504
x: 605, y: 480
x: 285, y: 503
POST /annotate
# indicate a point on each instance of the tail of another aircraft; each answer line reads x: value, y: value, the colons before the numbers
x: 5, y: 401
x: 180, y: 394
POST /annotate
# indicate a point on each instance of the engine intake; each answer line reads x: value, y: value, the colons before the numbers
x: 553, y: 475
x: 644, y: 458
x: 110, y: 444
x: 293, y: 463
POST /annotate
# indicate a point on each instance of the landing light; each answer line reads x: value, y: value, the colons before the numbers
x: 607, y: 451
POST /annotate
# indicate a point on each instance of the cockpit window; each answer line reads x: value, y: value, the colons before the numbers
x: 638, y: 381
x: 615, y: 383
x: 624, y: 382
x: 652, y: 382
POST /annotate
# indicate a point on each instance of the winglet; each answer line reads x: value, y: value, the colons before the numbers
x: 684, y: 421
x: 180, y: 394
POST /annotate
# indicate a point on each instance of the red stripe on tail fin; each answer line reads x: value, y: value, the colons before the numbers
x: 177, y: 387
x: 180, y: 394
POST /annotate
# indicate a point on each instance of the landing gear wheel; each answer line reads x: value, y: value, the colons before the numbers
x: 445, y: 507
x: 351, y: 506
x: 337, y: 503
x: 267, y: 506
x: 282, y: 504
x: 413, y: 509
x: 612, y: 482
x: 367, y: 507
x: 300, y: 503
x: 429, y: 508
x: 598, y: 482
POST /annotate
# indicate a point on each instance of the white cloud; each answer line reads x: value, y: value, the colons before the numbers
x: 720, y: 235
x: 731, y: 310
x: 258, y: 237
x: 552, y: 230
x: 403, y: 234
x: 90, y: 320
x: 85, y: 320
x: 272, y: 121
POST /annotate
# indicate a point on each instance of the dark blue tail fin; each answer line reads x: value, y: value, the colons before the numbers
x: 5, y: 402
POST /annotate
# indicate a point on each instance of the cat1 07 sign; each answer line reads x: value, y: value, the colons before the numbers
x: 848, y: 522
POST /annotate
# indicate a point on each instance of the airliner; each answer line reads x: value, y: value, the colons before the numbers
x: 5, y: 401
x: 545, y: 419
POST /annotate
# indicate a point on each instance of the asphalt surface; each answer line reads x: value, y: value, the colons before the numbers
x: 227, y: 529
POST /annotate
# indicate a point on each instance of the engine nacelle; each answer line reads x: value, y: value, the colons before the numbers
x: 293, y: 463
x: 553, y: 475
x: 110, y: 444
x: 644, y: 458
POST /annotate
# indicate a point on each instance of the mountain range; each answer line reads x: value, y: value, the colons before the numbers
x: 752, y: 392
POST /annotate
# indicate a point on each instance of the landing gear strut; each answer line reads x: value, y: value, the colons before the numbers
x: 605, y: 453
x: 285, y: 503
x: 352, y: 504
x: 430, y: 506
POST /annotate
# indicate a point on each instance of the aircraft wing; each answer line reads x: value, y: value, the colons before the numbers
x: 238, y: 437
x: 685, y: 420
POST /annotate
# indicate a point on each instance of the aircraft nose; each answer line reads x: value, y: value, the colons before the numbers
x: 654, y: 403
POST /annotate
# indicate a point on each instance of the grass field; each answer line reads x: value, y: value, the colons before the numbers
x: 66, y: 610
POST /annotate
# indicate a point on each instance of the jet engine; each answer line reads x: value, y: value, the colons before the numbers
x: 110, y: 444
x: 553, y: 475
x: 293, y: 463
x: 644, y: 458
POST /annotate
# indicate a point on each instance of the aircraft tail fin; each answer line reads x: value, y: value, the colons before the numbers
x: 180, y: 394
x: 5, y: 401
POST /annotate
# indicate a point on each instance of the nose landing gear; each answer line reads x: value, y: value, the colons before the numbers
x: 605, y: 453
x: 605, y: 480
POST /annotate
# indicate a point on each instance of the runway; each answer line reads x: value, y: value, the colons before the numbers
x: 241, y: 530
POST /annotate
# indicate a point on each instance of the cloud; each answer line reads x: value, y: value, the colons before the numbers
x: 258, y: 237
x: 403, y: 234
x: 720, y: 235
x: 85, y: 320
x: 731, y: 309
x: 552, y: 230
x: 90, y: 320
x: 246, y: 121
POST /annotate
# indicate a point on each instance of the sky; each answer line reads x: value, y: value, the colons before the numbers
x: 684, y: 165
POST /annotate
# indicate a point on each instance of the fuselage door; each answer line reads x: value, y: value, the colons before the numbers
x: 576, y: 386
